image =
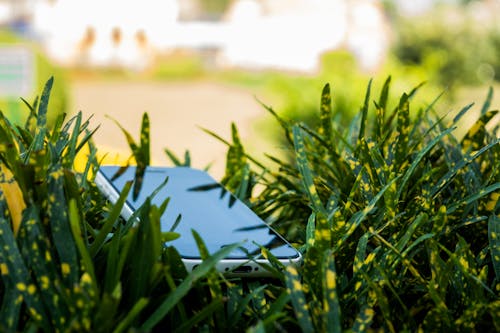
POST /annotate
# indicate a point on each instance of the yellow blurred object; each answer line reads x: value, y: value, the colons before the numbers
x: 9, y: 189
x: 111, y: 156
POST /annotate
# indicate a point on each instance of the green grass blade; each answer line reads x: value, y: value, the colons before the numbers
x: 86, y: 261
x: 487, y: 102
x: 422, y: 153
x: 41, y: 124
x: 241, y: 304
x: 473, y: 197
x: 15, y: 270
x: 310, y: 231
x: 475, y: 136
x: 30, y: 124
x: 467, y: 159
x: 330, y: 295
x: 361, y: 215
x: 176, y: 295
x: 360, y: 255
x: 43, y: 107
x: 10, y: 310
x: 403, y: 130
x: 494, y: 240
x: 145, y: 144
x: 384, y: 95
x: 299, y: 301
x: 285, y: 125
x: 70, y: 154
x: 176, y: 161
x: 212, y: 277
x: 363, y: 319
x: 305, y: 171
x: 214, y: 307
x: 60, y: 226
x: 259, y: 327
x: 110, y: 221
x: 8, y: 147
x: 420, y: 219
x: 364, y: 112
x: 325, y: 129
x: 126, y: 322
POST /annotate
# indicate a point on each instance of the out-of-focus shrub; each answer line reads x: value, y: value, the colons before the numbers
x: 452, y: 47
x: 42, y: 68
x: 178, y: 65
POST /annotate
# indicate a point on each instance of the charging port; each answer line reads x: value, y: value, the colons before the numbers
x: 242, y: 269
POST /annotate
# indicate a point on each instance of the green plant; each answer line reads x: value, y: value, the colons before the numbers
x: 397, y: 218
x: 68, y: 262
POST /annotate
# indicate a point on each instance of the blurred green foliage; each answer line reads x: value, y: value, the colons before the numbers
x: 43, y: 69
x: 453, y: 48
x: 396, y: 217
x: 178, y: 66
x: 214, y: 6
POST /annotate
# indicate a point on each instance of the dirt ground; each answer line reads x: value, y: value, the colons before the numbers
x: 176, y: 110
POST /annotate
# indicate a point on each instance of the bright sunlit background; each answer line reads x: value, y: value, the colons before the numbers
x: 195, y: 64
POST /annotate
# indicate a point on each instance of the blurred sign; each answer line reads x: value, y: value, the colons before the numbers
x: 16, y: 71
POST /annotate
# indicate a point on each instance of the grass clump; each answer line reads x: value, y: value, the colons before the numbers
x: 398, y: 220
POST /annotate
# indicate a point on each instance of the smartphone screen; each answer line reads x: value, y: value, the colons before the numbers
x: 205, y: 206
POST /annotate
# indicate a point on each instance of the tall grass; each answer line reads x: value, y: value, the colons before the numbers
x: 397, y: 218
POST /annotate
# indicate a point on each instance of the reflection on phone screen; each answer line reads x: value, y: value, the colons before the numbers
x: 205, y: 206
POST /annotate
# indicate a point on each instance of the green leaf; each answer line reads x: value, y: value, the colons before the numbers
x: 208, y: 310
x: 299, y: 301
x: 60, y: 225
x: 176, y: 295
x: 403, y: 131
x: 494, y: 241
x: 305, y: 171
x: 363, y: 319
x: 467, y: 159
x: 325, y: 129
x: 473, y: 197
x: 86, y: 261
x: 212, y: 276
x: 110, y: 221
x: 285, y: 125
x: 10, y: 310
x: 384, y: 95
x: 330, y: 294
x: 487, y: 103
x: 364, y: 112
x: 126, y: 322
x: 475, y: 136
x: 415, y: 163
x: 361, y: 215
x: 15, y: 270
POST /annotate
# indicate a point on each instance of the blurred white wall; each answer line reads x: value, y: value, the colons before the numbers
x: 281, y: 34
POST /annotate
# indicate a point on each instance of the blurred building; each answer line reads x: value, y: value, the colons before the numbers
x: 255, y: 34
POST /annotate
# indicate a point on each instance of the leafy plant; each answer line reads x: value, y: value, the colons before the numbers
x: 397, y: 218
x: 68, y: 262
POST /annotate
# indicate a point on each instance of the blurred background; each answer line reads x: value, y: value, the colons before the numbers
x: 195, y: 64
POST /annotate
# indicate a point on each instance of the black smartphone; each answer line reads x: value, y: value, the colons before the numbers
x: 205, y: 206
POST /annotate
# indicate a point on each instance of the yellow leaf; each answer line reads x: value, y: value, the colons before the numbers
x: 13, y: 196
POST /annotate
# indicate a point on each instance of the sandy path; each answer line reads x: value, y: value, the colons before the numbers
x: 176, y: 111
